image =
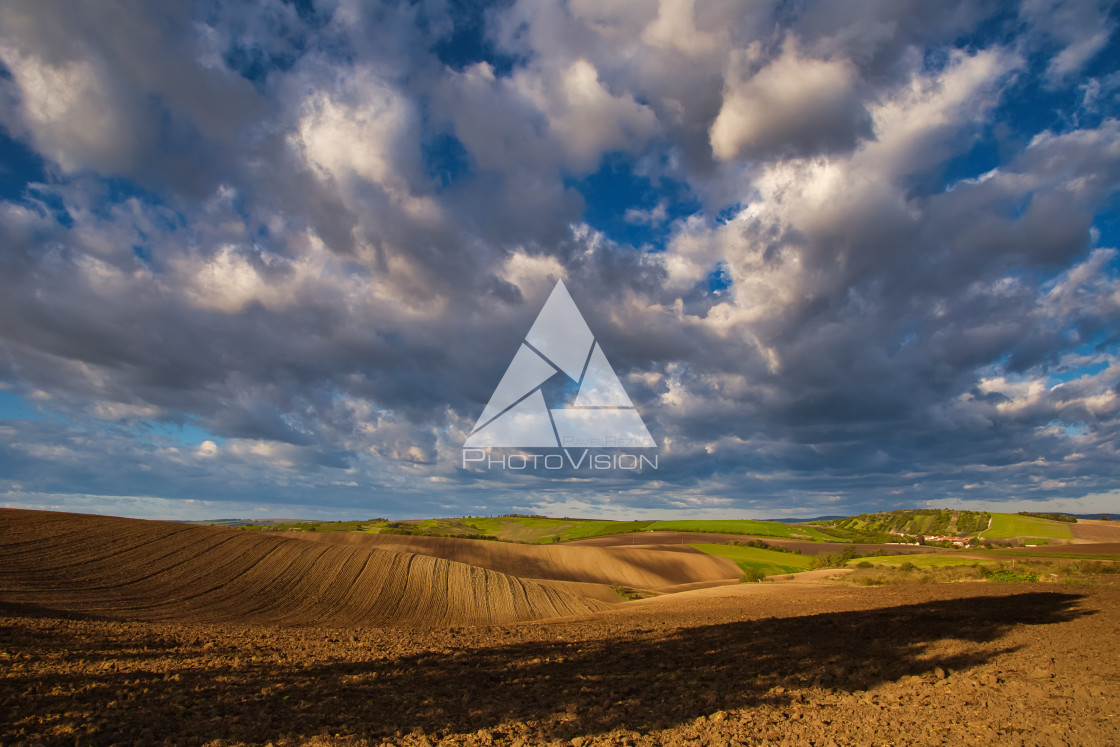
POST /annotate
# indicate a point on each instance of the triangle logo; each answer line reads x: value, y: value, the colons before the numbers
x: 559, y: 344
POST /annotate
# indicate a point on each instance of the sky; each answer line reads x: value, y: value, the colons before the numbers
x: 271, y: 259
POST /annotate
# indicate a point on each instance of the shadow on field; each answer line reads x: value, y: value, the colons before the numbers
x: 647, y: 679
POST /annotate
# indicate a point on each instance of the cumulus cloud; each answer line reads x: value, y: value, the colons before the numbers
x: 294, y: 249
x: 568, y: 117
x: 120, y: 90
x: 792, y: 105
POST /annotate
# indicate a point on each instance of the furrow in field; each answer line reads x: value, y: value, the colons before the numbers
x: 160, y: 571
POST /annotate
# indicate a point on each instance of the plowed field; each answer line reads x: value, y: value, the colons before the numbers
x: 641, y: 567
x: 956, y: 664
x: 115, y: 631
x: 1086, y: 530
x: 150, y: 570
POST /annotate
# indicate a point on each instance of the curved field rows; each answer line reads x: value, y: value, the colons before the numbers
x: 601, y: 592
x: 641, y: 567
x: 150, y: 570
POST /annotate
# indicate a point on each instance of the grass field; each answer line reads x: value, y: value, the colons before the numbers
x: 769, y: 562
x: 535, y: 530
x: 739, y: 526
x: 1006, y: 526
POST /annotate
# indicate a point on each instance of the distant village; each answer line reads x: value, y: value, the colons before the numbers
x: 920, y: 539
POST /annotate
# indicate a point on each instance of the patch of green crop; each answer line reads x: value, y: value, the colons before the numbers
x: 540, y: 529
x: 1006, y: 526
x: 737, y: 526
x: 769, y: 562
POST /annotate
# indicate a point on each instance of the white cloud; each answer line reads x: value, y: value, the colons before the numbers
x: 675, y: 28
x: 793, y: 104
x: 562, y: 118
x: 1081, y: 28
x: 68, y: 110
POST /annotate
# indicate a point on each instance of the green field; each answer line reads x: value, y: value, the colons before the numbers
x: 535, y: 529
x: 739, y: 526
x: 372, y: 526
x: 541, y: 530
x: 769, y: 562
x: 1007, y: 526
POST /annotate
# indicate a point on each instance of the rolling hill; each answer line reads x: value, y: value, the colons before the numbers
x: 151, y: 570
x: 653, y: 568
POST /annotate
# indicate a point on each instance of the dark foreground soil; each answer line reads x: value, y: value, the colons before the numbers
x: 960, y: 664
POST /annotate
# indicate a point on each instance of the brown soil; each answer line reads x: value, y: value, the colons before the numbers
x: 641, y: 566
x: 1095, y: 530
x: 949, y: 664
x: 703, y: 538
x: 1103, y: 548
x: 800, y: 663
x: 153, y: 570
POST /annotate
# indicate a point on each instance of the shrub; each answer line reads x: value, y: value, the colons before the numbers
x: 826, y: 560
x: 907, y: 566
x: 751, y: 576
x: 864, y: 564
x: 628, y: 593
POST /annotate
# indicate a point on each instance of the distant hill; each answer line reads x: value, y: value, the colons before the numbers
x: 808, y: 521
x: 242, y: 522
x: 892, y: 526
x: 875, y: 528
x: 542, y: 529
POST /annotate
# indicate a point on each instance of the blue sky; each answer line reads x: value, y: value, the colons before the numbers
x: 271, y: 259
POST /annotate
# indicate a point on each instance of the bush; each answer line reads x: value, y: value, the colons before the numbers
x: 627, y: 593
x: 864, y: 564
x: 751, y: 576
x: 907, y: 567
x: 763, y: 545
x: 826, y: 560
